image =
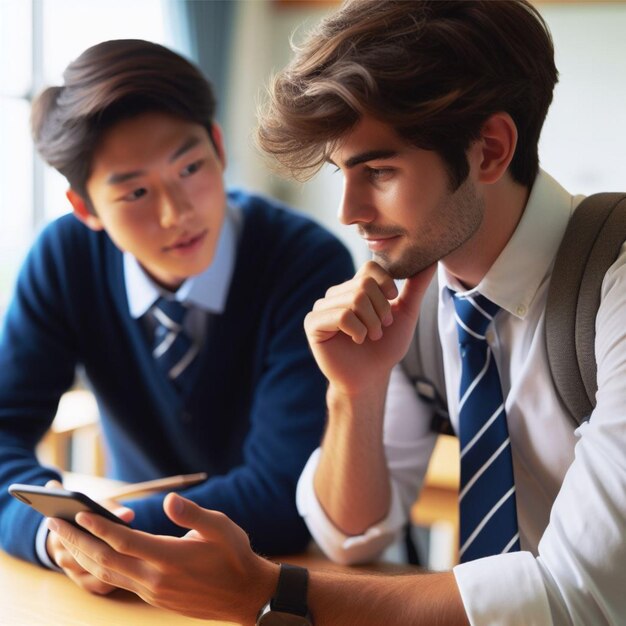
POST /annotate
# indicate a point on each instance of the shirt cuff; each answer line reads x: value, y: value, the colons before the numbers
x: 40, y: 547
x: 338, y: 546
x: 504, y: 590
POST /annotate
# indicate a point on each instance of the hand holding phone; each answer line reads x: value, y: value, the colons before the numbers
x: 61, y: 503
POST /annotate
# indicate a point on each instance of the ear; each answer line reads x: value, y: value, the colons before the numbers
x: 82, y: 212
x: 218, y: 142
x: 496, y: 147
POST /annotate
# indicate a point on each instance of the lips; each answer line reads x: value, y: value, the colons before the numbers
x: 375, y: 239
x: 370, y: 232
x: 186, y: 241
x: 376, y: 244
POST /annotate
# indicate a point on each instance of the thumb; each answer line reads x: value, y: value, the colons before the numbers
x: 54, y: 483
x: 410, y: 298
x: 188, y: 514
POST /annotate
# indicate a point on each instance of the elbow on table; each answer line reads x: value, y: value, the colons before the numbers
x: 357, y: 550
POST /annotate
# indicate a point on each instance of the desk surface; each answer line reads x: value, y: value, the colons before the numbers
x: 34, y: 596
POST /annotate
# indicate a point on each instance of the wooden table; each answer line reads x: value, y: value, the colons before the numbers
x: 438, y: 504
x: 76, y: 426
x: 440, y: 493
x: 34, y: 596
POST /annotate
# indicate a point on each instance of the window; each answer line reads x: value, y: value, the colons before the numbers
x: 38, y: 38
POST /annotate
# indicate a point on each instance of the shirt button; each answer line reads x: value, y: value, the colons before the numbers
x: 520, y: 310
x: 489, y: 337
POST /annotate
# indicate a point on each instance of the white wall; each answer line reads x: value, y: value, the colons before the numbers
x: 583, y: 143
x: 584, y: 140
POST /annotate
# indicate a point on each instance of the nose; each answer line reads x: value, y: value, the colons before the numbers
x: 174, y: 206
x: 355, y: 207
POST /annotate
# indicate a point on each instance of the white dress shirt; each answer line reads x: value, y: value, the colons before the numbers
x: 206, y: 294
x: 570, y: 483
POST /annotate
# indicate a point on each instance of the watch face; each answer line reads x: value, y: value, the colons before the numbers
x: 278, y: 618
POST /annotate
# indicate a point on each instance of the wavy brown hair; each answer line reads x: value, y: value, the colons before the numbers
x: 109, y: 82
x: 434, y: 70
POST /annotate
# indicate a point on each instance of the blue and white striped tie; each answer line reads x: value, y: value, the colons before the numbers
x: 487, y: 497
x: 173, y: 350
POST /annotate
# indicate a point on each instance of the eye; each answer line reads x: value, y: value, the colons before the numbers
x: 135, y: 194
x: 192, y: 168
x: 378, y: 175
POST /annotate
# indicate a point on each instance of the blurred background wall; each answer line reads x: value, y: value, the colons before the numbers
x: 238, y: 44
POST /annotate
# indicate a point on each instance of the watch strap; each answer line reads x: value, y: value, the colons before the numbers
x: 291, y: 591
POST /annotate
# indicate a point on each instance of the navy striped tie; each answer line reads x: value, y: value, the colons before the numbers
x: 487, y: 497
x: 173, y: 349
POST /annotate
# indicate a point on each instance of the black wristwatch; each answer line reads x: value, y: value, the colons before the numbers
x: 288, y: 606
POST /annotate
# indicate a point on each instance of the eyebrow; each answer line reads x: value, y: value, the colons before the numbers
x: 363, y: 157
x: 122, y: 177
x: 190, y: 143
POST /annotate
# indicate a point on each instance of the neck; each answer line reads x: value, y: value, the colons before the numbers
x: 504, y: 204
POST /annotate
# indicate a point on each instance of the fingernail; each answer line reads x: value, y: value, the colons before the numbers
x: 376, y: 334
x: 177, y: 504
x: 391, y: 292
x: 121, y: 511
x: 388, y: 320
x: 52, y: 525
x: 83, y: 520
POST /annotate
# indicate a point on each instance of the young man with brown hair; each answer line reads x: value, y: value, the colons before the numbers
x: 183, y: 302
x: 432, y: 111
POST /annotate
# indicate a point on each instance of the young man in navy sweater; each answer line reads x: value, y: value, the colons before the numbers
x: 223, y: 384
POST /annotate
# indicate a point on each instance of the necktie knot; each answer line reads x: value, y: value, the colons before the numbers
x: 173, y: 349
x: 170, y: 313
x: 473, y: 315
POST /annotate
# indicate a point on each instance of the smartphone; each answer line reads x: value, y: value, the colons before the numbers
x: 61, y: 503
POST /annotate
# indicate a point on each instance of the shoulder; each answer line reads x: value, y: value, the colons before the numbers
x: 66, y: 246
x: 66, y: 231
x: 53, y: 242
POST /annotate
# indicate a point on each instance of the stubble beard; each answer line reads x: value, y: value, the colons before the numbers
x: 460, y: 215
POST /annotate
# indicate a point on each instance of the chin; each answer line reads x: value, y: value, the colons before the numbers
x: 404, y: 268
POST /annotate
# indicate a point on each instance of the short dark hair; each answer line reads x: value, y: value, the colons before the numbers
x: 434, y: 70
x: 111, y: 81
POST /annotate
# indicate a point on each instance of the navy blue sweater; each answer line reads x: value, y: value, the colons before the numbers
x: 257, y: 408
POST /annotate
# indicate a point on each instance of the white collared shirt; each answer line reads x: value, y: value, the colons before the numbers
x: 570, y: 484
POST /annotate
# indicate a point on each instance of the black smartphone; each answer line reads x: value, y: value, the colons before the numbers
x: 61, y: 503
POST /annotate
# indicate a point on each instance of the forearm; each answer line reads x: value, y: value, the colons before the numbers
x: 18, y: 534
x: 364, y: 599
x: 211, y: 573
x: 352, y: 454
x: 20, y: 523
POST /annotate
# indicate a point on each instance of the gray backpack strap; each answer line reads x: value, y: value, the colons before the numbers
x: 423, y: 362
x: 591, y: 244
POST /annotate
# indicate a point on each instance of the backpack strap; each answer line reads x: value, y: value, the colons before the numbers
x: 423, y: 362
x: 591, y: 244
